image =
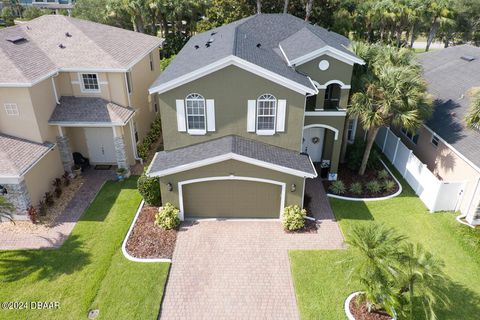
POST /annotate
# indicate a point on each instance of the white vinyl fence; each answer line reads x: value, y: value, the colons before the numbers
x: 436, y: 194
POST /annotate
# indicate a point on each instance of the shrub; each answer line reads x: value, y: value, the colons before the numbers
x: 42, y: 208
x: 49, y: 199
x: 374, y: 186
x: 152, y: 136
x: 356, y: 188
x: 149, y: 188
x: 32, y: 214
x: 57, y: 183
x: 383, y: 174
x: 355, y: 156
x: 58, y: 192
x: 338, y: 187
x: 389, y: 185
x: 167, y: 217
x: 293, y: 218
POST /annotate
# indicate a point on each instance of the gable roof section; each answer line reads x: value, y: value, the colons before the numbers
x: 232, y: 148
x: 88, y: 46
x: 253, y: 43
x: 449, y: 79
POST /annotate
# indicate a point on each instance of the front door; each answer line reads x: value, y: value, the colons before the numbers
x: 100, y: 145
x: 313, y: 143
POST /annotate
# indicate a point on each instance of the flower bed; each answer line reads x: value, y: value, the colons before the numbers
x: 310, y: 227
x: 349, y: 178
x: 360, y: 311
x: 148, y: 240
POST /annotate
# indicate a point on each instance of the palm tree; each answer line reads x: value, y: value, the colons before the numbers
x: 390, y: 91
x: 6, y: 209
x: 374, y: 256
x: 421, y: 280
x: 436, y: 11
x: 308, y: 9
x: 473, y: 116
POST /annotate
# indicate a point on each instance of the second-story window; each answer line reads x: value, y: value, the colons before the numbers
x: 11, y: 109
x: 266, y: 112
x: 90, y: 82
x: 195, y: 107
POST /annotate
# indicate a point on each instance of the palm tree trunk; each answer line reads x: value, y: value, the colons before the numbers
x: 412, y: 35
x: 285, y: 6
x: 308, y: 10
x: 372, y: 134
x: 432, y: 33
x: 259, y: 6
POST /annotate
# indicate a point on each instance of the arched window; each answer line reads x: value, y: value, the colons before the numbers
x: 195, y: 109
x: 266, y: 112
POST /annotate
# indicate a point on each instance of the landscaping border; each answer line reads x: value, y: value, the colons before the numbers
x: 346, y: 305
x: 124, y: 244
x: 373, y: 199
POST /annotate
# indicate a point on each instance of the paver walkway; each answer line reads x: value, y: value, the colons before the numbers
x: 238, y: 269
x: 54, y: 236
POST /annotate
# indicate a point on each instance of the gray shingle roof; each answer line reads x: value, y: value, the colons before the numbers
x: 240, y: 39
x: 252, y: 149
x: 449, y: 79
x: 17, y: 155
x: 91, y: 46
x: 89, y: 110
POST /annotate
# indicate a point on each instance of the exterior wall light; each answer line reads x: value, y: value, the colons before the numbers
x: 3, y: 190
x: 169, y: 186
x: 293, y: 187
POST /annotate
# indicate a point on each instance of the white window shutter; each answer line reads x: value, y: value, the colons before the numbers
x: 281, y: 114
x: 252, y: 106
x: 210, y: 115
x: 182, y: 127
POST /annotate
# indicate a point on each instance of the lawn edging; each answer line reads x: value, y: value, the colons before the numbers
x: 124, y: 244
x: 373, y: 199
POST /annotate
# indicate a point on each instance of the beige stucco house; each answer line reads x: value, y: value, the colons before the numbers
x: 68, y: 85
x: 445, y: 144
x: 248, y: 111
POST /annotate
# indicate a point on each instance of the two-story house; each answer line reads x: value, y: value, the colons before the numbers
x: 247, y: 109
x: 68, y: 85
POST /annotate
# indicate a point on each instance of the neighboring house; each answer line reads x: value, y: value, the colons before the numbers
x: 246, y: 108
x: 68, y: 85
x: 450, y: 149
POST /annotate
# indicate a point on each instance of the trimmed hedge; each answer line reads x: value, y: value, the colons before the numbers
x: 167, y: 217
x: 149, y: 188
x: 152, y: 136
x: 293, y: 218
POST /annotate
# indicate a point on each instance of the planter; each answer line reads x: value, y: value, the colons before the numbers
x: 347, y: 306
x: 122, y: 174
x: 77, y: 172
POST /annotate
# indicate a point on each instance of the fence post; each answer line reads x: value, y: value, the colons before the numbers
x: 406, y: 164
x: 385, y: 140
x: 395, y: 153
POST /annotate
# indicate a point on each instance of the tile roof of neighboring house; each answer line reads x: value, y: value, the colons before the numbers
x: 449, y: 79
x: 18, y: 155
x: 86, y: 46
x: 181, y: 158
x: 89, y: 110
x: 240, y: 39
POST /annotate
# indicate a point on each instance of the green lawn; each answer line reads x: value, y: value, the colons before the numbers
x: 89, y: 270
x: 320, y: 276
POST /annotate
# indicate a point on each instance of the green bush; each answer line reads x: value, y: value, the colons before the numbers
x: 293, y: 218
x: 383, y: 174
x: 166, y: 61
x: 355, y: 156
x: 338, y: 187
x: 373, y: 186
x: 356, y: 188
x: 389, y: 185
x: 149, y: 188
x: 152, y: 136
x: 167, y: 217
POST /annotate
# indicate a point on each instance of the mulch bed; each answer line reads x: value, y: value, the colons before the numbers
x: 148, y: 240
x: 360, y: 312
x: 310, y: 227
x: 349, y: 176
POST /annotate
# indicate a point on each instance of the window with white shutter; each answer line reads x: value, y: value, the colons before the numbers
x: 210, y: 115
x: 182, y: 127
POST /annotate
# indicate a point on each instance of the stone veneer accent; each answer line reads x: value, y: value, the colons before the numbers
x: 65, y: 153
x: 17, y: 194
x: 120, y: 153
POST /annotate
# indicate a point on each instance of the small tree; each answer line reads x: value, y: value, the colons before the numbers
x: 7, y: 16
x: 473, y: 117
x: 6, y: 209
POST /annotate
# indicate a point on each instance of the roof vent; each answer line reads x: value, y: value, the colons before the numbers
x: 61, y: 46
x: 68, y: 34
x: 207, y: 44
x: 196, y: 46
x: 213, y: 33
x: 16, y: 39
x: 210, y: 40
x: 467, y: 58
x: 259, y: 45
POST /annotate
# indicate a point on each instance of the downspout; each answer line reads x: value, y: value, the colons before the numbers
x: 132, y: 134
x: 55, y: 88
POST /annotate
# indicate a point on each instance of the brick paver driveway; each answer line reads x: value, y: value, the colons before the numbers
x: 238, y: 269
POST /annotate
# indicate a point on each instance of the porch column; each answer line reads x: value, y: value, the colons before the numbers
x: 119, y: 143
x: 18, y: 195
x: 65, y: 151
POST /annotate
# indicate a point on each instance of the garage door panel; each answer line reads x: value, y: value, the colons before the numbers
x: 231, y: 199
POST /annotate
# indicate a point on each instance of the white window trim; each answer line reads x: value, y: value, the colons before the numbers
x: 82, y: 85
x: 266, y: 132
x: 196, y: 132
x: 11, y: 109
x: 405, y: 133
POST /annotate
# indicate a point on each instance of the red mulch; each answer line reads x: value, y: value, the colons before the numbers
x: 360, y: 312
x: 349, y: 176
x: 148, y: 240
x: 310, y: 227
